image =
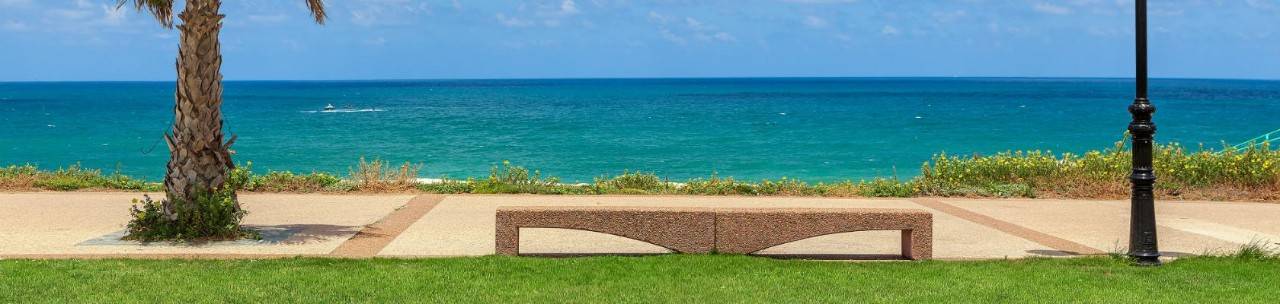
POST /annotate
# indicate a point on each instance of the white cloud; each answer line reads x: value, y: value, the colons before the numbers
x: 820, y: 1
x: 815, y: 22
x: 15, y: 26
x: 1048, y: 8
x: 387, y: 12
x: 379, y: 41
x: 695, y: 24
x: 276, y: 18
x: 512, y: 21
x: 655, y: 17
x: 113, y: 15
x: 568, y: 7
x: 545, y: 14
x: 691, y: 27
x: 1105, y: 31
x: 363, y: 17
x: 292, y: 44
x: 726, y: 37
x: 83, y: 16
x: 1262, y: 4
x: 889, y: 30
x: 949, y: 16
x: 68, y: 14
x: 669, y: 36
x: 14, y: 3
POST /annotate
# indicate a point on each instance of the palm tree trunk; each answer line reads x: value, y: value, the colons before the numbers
x: 199, y: 159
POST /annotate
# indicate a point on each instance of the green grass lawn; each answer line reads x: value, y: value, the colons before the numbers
x: 669, y: 278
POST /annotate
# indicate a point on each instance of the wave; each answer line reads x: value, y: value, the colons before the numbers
x: 346, y: 111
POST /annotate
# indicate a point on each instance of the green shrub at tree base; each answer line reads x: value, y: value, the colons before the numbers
x: 212, y: 216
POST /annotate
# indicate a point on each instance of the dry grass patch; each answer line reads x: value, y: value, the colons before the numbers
x: 380, y: 176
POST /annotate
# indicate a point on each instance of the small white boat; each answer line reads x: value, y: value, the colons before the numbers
x: 329, y: 107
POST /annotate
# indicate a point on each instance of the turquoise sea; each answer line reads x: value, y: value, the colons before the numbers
x: 816, y: 129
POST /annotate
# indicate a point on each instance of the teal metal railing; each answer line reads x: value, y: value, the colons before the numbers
x: 1270, y: 137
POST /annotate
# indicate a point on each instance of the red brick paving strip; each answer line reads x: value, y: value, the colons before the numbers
x: 370, y: 240
x: 1041, y: 238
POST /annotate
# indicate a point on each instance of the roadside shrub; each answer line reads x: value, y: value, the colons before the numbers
x: 717, y: 186
x: 71, y: 178
x: 785, y: 187
x: 379, y: 176
x: 276, y: 181
x: 18, y: 177
x: 448, y: 187
x: 512, y: 179
x: 839, y: 189
x: 1251, y: 173
x: 882, y: 187
x: 633, y: 183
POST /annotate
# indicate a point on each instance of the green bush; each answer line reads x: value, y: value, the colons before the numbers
x: 1102, y: 174
x: 717, y: 186
x: 211, y: 216
x: 68, y: 179
x: 632, y: 183
x: 449, y: 187
x: 511, y: 179
x: 786, y: 187
x: 277, y: 181
x: 881, y: 187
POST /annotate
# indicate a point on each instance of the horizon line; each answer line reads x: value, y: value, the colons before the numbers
x: 647, y: 78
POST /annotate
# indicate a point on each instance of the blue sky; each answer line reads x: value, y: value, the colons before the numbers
x: 391, y: 39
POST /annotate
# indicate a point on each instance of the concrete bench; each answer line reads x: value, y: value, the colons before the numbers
x: 727, y: 230
x: 685, y: 230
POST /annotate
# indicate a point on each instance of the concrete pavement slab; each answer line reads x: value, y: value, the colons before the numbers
x: 60, y: 223
x: 1099, y: 224
x: 1234, y: 222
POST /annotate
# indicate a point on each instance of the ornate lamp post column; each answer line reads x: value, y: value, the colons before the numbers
x: 1142, y: 219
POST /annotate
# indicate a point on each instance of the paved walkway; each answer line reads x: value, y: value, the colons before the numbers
x: 88, y: 225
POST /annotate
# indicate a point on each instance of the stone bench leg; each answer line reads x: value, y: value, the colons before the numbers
x: 917, y: 244
x: 508, y: 236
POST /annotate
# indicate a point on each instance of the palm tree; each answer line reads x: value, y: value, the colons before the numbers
x: 199, y: 158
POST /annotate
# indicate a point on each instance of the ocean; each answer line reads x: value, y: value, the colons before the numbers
x: 814, y: 129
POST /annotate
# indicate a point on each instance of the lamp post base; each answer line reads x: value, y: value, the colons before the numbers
x: 1145, y: 259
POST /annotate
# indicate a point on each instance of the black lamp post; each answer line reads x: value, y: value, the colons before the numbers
x: 1142, y: 219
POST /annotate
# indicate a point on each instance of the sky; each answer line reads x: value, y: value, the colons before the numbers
x: 73, y: 40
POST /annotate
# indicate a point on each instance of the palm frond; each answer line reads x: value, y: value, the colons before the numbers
x: 317, y: 9
x: 161, y: 9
